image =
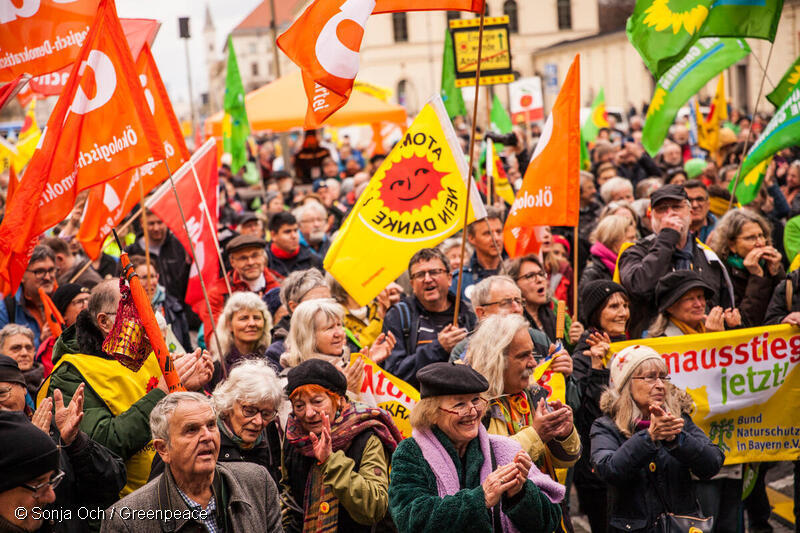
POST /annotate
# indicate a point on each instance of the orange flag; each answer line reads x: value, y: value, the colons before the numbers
x: 550, y: 192
x: 41, y: 36
x: 325, y: 42
x: 88, y: 140
x: 108, y: 203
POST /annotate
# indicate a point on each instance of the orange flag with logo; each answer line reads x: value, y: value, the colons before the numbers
x: 100, y: 127
x: 550, y: 192
x: 109, y: 202
x: 41, y: 36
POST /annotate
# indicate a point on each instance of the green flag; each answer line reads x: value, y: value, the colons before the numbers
x: 750, y: 183
x: 586, y: 162
x: 663, y: 30
x: 451, y: 95
x: 789, y: 80
x: 235, y: 126
x: 596, y: 119
x: 705, y: 59
x: 499, y: 118
x: 782, y: 131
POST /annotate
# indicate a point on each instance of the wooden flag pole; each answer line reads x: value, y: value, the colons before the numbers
x: 471, y: 164
x: 145, y: 232
x: 575, y: 274
x: 747, y: 140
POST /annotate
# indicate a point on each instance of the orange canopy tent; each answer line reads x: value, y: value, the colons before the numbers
x: 281, y: 106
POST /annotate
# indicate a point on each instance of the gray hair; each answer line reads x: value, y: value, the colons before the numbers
x: 242, y: 301
x: 252, y: 381
x: 9, y: 330
x: 161, y: 414
x: 487, y: 352
x: 40, y: 253
x: 301, y: 343
x: 310, y: 206
x: 729, y: 227
x: 104, y: 298
x: 298, y: 283
x: 613, y: 185
x: 480, y: 293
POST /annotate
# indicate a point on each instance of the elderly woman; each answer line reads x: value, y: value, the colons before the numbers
x: 243, y: 332
x: 609, y: 236
x: 646, y: 447
x: 247, y: 405
x: 451, y: 475
x: 742, y: 241
x: 365, y: 322
x: 17, y: 342
x: 336, y: 455
x: 681, y: 298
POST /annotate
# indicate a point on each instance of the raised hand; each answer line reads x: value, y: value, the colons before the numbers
x: 381, y: 348
x: 68, y: 419
x: 322, y: 444
x: 43, y: 415
x: 355, y: 375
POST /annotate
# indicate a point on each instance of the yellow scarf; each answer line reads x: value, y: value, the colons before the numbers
x: 686, y: 328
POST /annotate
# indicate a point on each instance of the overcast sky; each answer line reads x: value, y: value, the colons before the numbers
x: 169, y: 50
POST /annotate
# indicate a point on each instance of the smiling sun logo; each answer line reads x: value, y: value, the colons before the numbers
x: 794, y: 77
x: 677, y: 14
x: 411, y: 184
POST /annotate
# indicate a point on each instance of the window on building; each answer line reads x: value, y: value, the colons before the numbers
x: 253, y: 48
x: 400, y: 27
x: 564, y: 8
x: 254, y: 69
x: 402, y: 92
x: 510, y: 10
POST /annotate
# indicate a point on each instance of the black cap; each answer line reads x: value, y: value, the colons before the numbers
x: 248, y: 216
x: 445, y: 379
x: 316, y: 372
x: 26, y: 452
x: 10, y: 372
x: 240, y: 242
x: 675, y: 284
x: 668, y: 192
x: 65, y: 294
x: 594, y: 294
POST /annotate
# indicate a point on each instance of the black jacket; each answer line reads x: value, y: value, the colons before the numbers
x: 304, y: 260
x: 751, y: 293
x: 407, y: 356
x: 640, y: 472
x: 653, y: 257
x: 176, y: 318
x: 172, y: 262
x: 595, y: 270
x: 777, y: 309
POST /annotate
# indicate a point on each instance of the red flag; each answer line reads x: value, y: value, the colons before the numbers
x: 9, y: 90
x: 391, y: 6
x: 88, y: 140
x: 42, y: 36
x: 109, y: 202
x: 196, y: 183
x: 13, y: 183
x: 550, y: 192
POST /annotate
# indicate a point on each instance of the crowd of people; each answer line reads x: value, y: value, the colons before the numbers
x: 274, y: 432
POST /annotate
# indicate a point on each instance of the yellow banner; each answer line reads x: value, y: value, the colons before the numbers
x: 381, y: 389
x: 415, y: 200
x: 745, y: 385
x: 553, y: 382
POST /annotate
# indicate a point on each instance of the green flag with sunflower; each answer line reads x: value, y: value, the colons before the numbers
x: 705, y: 59
x: 596, y: 119
x: 663, y: 30
x: 235, y: 126
x: 784, y: 87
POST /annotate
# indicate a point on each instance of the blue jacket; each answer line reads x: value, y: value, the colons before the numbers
x: 474, y: 273
x: 21, y: 317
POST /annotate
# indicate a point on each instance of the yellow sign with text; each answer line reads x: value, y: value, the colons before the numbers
x: 381, y: 389
x: 495, y: 52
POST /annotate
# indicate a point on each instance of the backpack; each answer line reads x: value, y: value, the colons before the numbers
x: 410, y: 331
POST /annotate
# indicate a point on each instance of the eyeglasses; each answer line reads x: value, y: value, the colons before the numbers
x: 699, y: 200
x: 506, y: 303
x: 465, y: 408
x: 266, y: 414
x: 40, y: 489
x: 754, y: 238
x: 651, y: 380
x: 531, y: 275
x: 433, y: 273
x: 41, y: 273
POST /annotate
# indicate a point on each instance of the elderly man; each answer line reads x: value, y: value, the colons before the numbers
x: 703, y: 221
x: 251, y: 223
x: 617, y: 189
x: 117, y: 399
x: 671, y: 157
x: 423, y: 324
x: 486, y: 238
x: 26, y: 307
x: 195, y: 492
x: 312, y: 220
x: 671, y: 247
x: 17, y: 342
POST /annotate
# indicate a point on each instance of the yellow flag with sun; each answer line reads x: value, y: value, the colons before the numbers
x: 416, y: 199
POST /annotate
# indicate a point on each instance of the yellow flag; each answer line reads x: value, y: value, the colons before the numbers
x: 381, y: 389
x: 708, y: 128
x: 29, y: 137
x: 495, y: 173
x: 7, y: 153
x: 415, y: 200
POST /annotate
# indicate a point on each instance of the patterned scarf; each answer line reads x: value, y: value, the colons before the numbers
x: 320, y: 504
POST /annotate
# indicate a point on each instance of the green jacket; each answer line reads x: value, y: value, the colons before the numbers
x: 415, y: 504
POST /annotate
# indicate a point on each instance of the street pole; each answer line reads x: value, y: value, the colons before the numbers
x: 282, y: 138
x: 183, y: 27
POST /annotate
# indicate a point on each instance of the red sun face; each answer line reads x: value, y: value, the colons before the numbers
x: 526, y: 100
x: 411, y: 184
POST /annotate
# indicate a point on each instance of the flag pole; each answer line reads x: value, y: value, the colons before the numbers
x: 199, y: 275
x: 575, y: 273
x: 471, y: 164
x: 122, y: 228
x: 145, y: 232
x: 749, y: 133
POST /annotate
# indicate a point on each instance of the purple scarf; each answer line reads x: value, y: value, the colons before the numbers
x: 604, y: 254
x: 504, y: 450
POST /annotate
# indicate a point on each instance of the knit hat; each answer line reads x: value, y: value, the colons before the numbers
x: 558, y: 239
x: 26, y: 452
x: 10, y: 372
x: 594, y: 294
x: 694, y: 167
x: 65, y: 294
x: 445, y: 379
x: 626, y: 361
x: 316, y: 372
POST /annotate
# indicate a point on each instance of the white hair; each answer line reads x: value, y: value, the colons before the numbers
x: 313, y: 206
x: 301, y: 343
x: 298, y: 283
x: 487, y: 352
x: 252, y: 381
x: 161, y: 414
x: 615, y: 184
x: 242, y: 301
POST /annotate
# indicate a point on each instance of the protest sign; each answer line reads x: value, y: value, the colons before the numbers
x: 495, y: 54
x: 381, y: 389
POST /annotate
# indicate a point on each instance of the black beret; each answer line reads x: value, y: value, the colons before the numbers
x: 240, y: 242
x: 594, y: 294
x: 444, y: 379
x: 675, y: 284
x: 316, y: 372
x: 65, y: 294
x: 26, y: 452
x: 10, y: 372
x: 668, y: 192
